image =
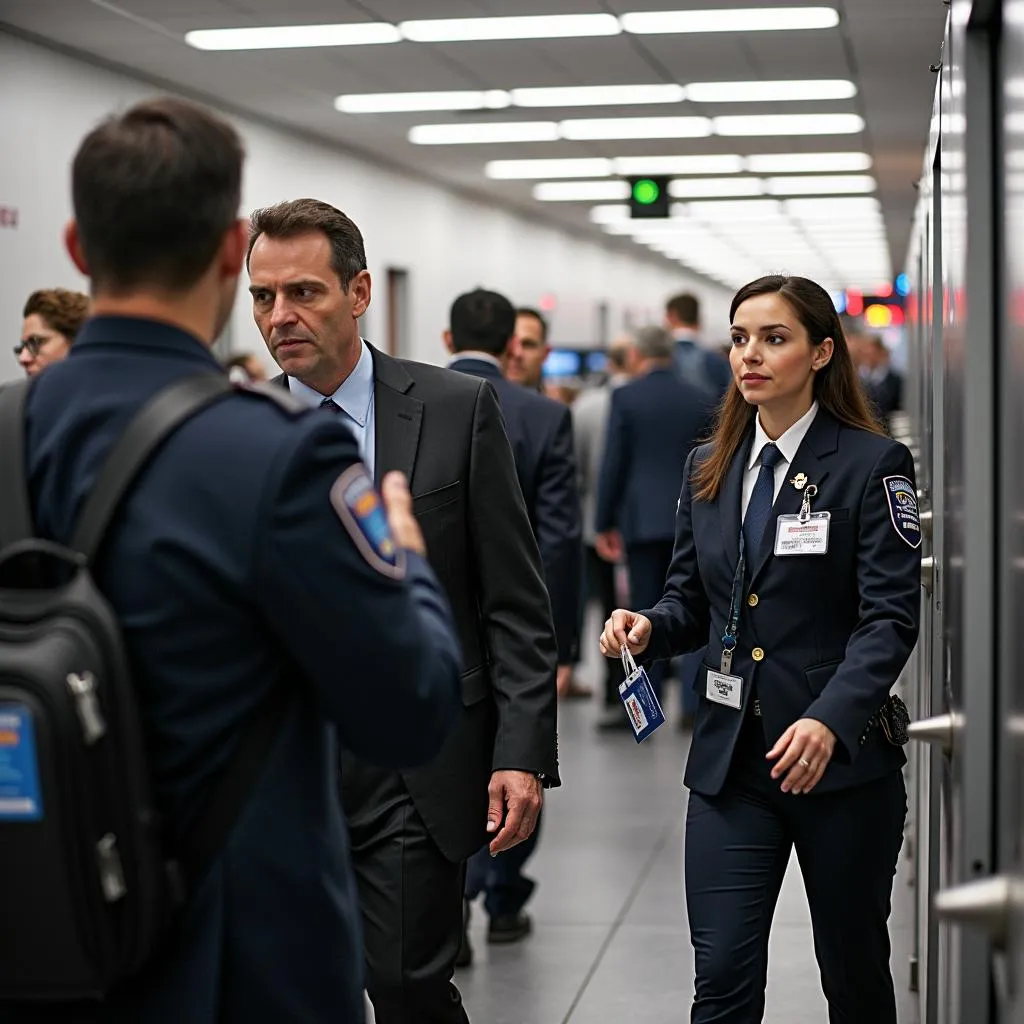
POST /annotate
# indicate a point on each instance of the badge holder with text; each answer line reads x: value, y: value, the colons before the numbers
x: 640, y: 700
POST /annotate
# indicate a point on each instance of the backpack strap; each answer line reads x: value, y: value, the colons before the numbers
x: 15, y: 508
x: 152, y: 425
x: 147, y: 430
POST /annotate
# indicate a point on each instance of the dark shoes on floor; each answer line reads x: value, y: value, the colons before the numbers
x: 502, y: 931
x: 509, y: 928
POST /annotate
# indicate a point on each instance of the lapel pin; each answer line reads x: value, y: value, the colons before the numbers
x: 799, y: 481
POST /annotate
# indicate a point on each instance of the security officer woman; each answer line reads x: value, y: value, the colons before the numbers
x: 796, y: 561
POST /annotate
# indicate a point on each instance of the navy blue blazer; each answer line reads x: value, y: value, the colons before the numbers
x: 653, y: 426
x: 231, y: 572
x: 540, y: 432
x: 833, y: 631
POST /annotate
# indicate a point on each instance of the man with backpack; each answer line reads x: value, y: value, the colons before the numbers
x: 217, y: 596
x: 703, y: 368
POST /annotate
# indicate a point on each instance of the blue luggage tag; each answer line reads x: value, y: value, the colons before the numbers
x: 638, y: 697
x: 20, y: 797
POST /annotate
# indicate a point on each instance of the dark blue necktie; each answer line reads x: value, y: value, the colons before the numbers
x: 330, y: 405
x: 759, y: 511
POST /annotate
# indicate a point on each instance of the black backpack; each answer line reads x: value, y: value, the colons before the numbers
x: 89, y: 890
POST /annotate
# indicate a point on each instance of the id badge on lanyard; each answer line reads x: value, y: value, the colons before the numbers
x: 723, y: 687
x: 639, y: 699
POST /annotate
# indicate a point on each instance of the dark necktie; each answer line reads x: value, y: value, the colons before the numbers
x: 330, y: 405
x: 759, y: 511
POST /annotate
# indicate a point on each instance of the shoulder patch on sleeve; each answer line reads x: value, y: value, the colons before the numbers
x: 361, y: 511
x: 903, y: 511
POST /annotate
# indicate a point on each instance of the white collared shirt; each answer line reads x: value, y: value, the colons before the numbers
x: 788, y: 445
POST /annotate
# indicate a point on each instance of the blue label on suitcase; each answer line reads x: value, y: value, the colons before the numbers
x: 20, y: 798
x: 641, y: 703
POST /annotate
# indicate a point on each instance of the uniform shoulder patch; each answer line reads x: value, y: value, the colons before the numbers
x: 361, y: 511
x: 902, y: 498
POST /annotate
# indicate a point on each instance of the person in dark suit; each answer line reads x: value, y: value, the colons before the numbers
x: 883, y: 385
x: 411, y: 832
x: 797, y: 563
x: 235, y: 565
x: 703, y: 367
x: 654, y: 423
x: 480, y: 335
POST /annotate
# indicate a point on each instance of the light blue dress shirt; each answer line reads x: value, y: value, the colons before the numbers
x: 355, y: 398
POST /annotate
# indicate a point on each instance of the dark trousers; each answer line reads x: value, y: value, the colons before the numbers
x: 506, y: 889
x: 648, y: 564
x: 737, y: 847
x: 600, y: 587
x: 411, y: 898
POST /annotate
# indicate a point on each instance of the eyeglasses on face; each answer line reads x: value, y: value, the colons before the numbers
x: 34, y: 342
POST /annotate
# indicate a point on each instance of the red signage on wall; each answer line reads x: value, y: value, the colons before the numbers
x: 8, y: 216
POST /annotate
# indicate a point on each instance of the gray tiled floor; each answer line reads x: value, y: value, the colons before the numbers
x: 610, y: 942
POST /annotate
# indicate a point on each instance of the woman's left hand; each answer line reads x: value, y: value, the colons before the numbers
x: 804, y: 750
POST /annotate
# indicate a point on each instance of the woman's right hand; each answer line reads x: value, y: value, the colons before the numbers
x: 625, y: 628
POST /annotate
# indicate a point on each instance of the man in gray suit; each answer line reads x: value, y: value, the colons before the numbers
x: 590, y: 422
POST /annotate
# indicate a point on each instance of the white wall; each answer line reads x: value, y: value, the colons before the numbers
x: 447, y: 243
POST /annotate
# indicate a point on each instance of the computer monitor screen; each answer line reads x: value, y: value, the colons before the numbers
x: 561, y: 363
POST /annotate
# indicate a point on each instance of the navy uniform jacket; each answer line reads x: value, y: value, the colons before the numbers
x: 540, y: 432
x: 231, y: 573
x: 834, y: 630
x: 653, y: 426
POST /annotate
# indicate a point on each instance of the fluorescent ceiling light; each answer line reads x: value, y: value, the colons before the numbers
x: 795, y: 163
x: 598, y: 96
x: 753, y: 19
x: 769, y: 92
x: 678, y: 165
x: 829, y: 184
x: 519, y: 170
x: 572, y: 191
x: 688, y: 188
x: 636, y: 128
x: 789, y: 124
x: 609, y: 214
x: 284, y: 37
x: 468, y: 134
x: 602, y: 167
x: 831, y: 209
x: 546, y: 26
x: 398, y: 102
x: 725, y: 211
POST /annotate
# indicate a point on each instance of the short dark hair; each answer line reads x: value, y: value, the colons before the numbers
x: 684, y: 307
x: 297, y: 216
x: 154, y: 191
x: 63, y: 311
x: 482, y: 321
x: 538, y: 316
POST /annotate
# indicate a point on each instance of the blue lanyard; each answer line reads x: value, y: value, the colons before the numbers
x: 733, y: 625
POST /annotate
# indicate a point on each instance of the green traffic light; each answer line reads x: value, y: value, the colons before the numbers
x: 646, y: 192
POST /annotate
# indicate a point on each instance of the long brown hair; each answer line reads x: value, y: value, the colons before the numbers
x: 836, y: 386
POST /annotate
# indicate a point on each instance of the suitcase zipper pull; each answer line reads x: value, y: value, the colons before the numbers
x: 83, y: 689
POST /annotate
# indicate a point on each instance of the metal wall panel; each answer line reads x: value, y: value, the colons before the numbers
x: 1010, y: 819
